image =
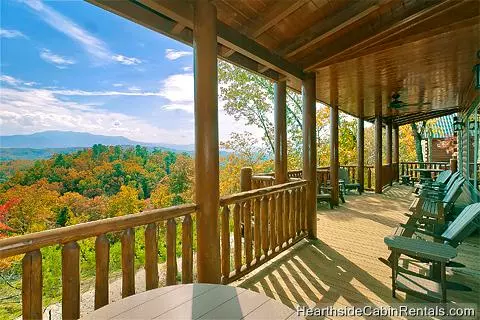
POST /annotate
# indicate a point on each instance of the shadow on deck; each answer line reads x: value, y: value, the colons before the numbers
x: 342, y: 268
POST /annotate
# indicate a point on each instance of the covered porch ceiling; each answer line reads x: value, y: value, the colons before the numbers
x: 370, y: 49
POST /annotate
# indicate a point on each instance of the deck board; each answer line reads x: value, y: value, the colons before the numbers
x: 342, y: 268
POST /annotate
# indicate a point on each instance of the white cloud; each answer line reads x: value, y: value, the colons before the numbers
x: 4, y: 33
x: 104, y: 93
x: 126, y: 60
x: 15, y: 82
x: 117, y: 85
x: 178, y: 90
x: 172, y: 54
x: 96, y: 47
x: 187, y: 69
x: 27, y: 110
x: 133, y: 88
x: 59, y: 61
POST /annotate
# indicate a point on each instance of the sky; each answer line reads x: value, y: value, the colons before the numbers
x: 71, y: 66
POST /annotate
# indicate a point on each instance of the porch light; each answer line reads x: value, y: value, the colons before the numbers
x: 457, y: 124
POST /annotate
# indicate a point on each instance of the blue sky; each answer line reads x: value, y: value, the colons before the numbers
x: 68, y: 65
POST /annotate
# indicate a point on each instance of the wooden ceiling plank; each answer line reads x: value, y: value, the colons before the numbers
x: 317, y: 30
x: 266, y: 20
x: 404, y: 40
x: 182, y: 12
x: 336, y: 29
x: 401, y: 25
x: 177, y: 28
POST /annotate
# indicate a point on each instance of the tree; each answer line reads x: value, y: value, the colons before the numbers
x: 124, y: 202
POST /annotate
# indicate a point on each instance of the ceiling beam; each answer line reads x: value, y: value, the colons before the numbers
x: 322, y: 27
x: 418, y: 116
x: 397, y: 26
x: 271, y: 16
x: 182, y: 12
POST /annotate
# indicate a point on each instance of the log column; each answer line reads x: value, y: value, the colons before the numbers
x: 396, y: 150
x: 280, y: 91
x: 334, y: 161
x: 389, y: 151
x: 206, y: 141
x: 310, y: 151
x: 361, y: 153
x: 378, y: 142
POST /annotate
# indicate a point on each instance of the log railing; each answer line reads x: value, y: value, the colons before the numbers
x: 262, y: 181
x: 68, y: 237
x: 407, y: 168
x: 274, y: 218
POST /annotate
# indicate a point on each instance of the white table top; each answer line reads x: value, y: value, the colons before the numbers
x: 195, y: 301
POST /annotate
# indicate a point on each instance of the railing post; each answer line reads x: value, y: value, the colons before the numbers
x: 310, y: 151
x: 32, y: 285
x: 71, y: 281
x: 206, y: 141
x: 280, y: 90
x: 453, y: 164
x: 389, y: 161
x: 246, y: 179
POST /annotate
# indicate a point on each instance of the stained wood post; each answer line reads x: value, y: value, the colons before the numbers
x: 206, y: 141
x: 102, y: 258
x: 361, y: 153
x: 246, y: 179
x: 71, y: 281
x: 151, y: 257
x: 128, y: 262
x: 389, y: 151
x: 334, y: 161
x: 310, y: 151
x: 280, y: 113
x: 171, y: 252
x: 32, y: 285
x: 453, y: 164
x: 378, y: 154
x: 187, y: 249
x: 396, y: 149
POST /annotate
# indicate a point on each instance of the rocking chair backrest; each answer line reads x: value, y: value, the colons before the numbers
x: 452, y: 194
x: 343, y: 175
x: 443, y: 176
x: 453, y: 178
x: 463, y: 225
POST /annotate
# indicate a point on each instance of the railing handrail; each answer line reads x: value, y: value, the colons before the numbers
x: 232, y: 198
x: 29, y: 242
x: 424, y: 162
x: 263, y: 178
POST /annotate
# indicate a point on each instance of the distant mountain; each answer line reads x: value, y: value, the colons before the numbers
x: 70, y: 139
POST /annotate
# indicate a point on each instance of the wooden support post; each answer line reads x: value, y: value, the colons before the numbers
x: 102, y: 258
x: 361, y: 153
x: 396, y: 150
x: 246, y: 179
x: 334, y: 161
x: 280, y: 112
x: 151, y: 257
x: 453, y: 164
x: 389, y: 142
x: 206, y: 141
x: 71, y: 281
x: 378, y: 154
x: 389, y: 151
x: 310, y: 152
x: 32, y: 285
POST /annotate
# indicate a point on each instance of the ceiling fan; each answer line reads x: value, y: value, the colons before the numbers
x: 396, y: 103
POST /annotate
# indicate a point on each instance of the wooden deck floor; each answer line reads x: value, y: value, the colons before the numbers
x: 342, y: 268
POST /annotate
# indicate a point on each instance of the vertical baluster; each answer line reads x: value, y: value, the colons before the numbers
x: 304, y: 208
x: 279, y: 210
x: 32, y: 285
x: 291, y: 233
x: 151, y: 257
x: 403, y: 168
x: 128, y: 262
x: 102, y: 259
x: 187, y: 249
x: 225, y: 242
x: 369, y: 178
x: 273, y: 222
x: 256, y: 230
x: 286, y: 216
x: 264, y: 223
x: 248, y: 232
x: 71, y: 281
x: 294, y: 213
x: 298, y: 210
x: 237, y: 237
x: 171, y: 252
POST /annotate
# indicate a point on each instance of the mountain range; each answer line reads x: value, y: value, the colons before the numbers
x: 42, y: 145
x: 70, y: 139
